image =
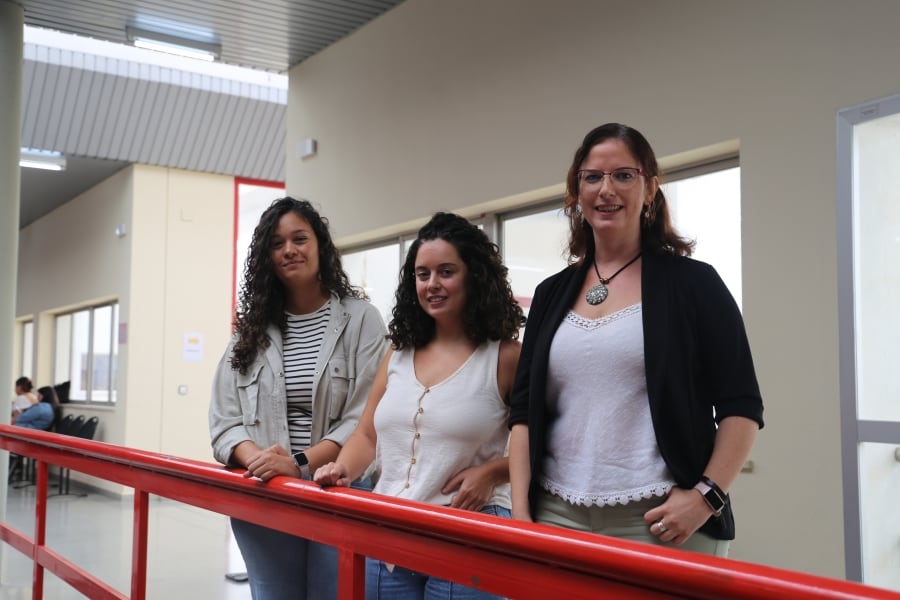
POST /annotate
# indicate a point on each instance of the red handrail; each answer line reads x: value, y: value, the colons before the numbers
x: 519, y: 560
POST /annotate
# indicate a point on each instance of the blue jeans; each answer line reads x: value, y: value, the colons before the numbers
x: 281, y: 566
x: 403, y: 584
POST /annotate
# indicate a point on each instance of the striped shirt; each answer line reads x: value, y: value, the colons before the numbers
x: 302, y: 341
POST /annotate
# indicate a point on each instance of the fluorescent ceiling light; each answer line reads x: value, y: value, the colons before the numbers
x: 42, y: 159
x: 173, y: 44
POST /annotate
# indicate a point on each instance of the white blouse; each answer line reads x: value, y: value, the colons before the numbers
x: 601, y: 446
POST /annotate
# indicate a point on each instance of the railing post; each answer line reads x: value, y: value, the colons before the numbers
x: 40, y: 529
x: 139, y: 546
x: 351, y: 575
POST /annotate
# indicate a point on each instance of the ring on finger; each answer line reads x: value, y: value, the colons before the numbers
x: 660, y: 526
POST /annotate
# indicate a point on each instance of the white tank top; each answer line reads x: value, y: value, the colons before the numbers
x: 426, y: 435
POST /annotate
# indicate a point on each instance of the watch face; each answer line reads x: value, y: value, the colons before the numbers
x: 301, y: 459
x: 714, y: 500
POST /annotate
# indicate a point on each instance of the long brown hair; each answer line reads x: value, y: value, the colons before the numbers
x: 658, y: 235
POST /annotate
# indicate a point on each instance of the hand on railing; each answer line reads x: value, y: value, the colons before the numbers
x: 332, y: 474
x: 270, y: 463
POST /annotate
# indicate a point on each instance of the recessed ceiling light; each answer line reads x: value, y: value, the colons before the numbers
x: 48, y: 160
x: 173, y: 44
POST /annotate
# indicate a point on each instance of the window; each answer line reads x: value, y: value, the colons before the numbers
x: 534, y: 246
x: 868, y: 214
x: 705, y: 206
x: 87, y: 350
x: 252, y: 198
x: 704, y: 202
x: 376, y: 270
x: 26, y: 356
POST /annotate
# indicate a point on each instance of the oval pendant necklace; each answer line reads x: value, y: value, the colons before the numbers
x: 599, y: 292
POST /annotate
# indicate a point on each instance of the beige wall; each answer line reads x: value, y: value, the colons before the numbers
x: 445, y: 105
x: 72, y: 257
x: 171, y: 273
x: 200, y: 238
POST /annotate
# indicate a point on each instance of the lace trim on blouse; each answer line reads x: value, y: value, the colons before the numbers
x: 590, y: 324
x: 608, y: 498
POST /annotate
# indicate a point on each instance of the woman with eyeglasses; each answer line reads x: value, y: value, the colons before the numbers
x: 292, y: 384
x: 436, y: 420
x: 636, y: 401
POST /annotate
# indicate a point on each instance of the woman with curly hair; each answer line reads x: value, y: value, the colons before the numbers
x: 292, y: 384
x: 435, y: 422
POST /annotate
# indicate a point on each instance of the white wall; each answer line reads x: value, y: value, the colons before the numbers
x: 444, y: 105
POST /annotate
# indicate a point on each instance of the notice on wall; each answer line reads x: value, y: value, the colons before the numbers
x: 193, y: 347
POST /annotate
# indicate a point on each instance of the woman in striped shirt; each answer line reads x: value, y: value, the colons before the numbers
x: 292, y: 384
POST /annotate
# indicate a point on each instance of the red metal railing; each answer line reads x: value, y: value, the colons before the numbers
x: 507, y: 557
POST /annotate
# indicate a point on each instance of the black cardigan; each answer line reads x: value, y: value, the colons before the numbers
x: 696, y: 356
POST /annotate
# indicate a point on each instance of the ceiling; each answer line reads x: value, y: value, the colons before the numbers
x: 104, y: 113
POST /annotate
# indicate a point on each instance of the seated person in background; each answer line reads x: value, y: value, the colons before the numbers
x: 24, y: 397
x: 33, y: 411
x: 42, y: 414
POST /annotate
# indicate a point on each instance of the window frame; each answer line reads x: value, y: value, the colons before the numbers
x: 89, y: 392
x: 26, y: 348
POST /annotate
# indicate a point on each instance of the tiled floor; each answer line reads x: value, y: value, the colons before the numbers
x: 189, y: 550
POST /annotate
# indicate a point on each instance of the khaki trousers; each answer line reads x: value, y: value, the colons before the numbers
x: 621, y: 521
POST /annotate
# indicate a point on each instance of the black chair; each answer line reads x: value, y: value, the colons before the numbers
x: 72, y: 425
x: 88, y: 428
x: 64, y: 426
x: 76, y: 425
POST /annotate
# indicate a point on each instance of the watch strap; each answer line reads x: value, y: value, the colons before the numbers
x: 302, y: 463
x: 712, y: 494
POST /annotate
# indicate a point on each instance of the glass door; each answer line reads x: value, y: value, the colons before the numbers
x: 869, y: 287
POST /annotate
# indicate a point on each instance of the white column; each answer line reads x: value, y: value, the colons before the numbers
x: 12, y: 22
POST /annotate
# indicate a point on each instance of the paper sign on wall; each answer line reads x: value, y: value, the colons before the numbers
x: 193, y: 347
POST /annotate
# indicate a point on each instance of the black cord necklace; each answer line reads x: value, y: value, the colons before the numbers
x: 597, y: 294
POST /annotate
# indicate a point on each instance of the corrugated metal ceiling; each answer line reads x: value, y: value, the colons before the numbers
x: 264, y: 34
x: 107, y: 111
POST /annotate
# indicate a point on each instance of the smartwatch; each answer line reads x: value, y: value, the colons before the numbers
x: 302, y: 463
x: 712, y: 493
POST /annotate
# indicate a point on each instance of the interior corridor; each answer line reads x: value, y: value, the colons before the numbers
x: 190, y: 550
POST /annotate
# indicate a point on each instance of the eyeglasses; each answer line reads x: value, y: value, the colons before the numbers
x: 591, y: 180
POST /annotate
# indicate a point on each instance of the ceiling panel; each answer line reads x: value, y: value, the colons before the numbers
x: 105, y: 112
x: 265, y: 34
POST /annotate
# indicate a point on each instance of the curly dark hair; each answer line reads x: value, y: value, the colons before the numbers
x: 491, y: 311
x: 658, y: 235
x: 262, y: 295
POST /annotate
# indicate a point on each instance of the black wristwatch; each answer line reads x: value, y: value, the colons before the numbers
x: 712, y: 493
x: 302, y: 463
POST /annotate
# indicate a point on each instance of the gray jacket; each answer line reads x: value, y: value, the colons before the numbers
x: 254, y: 406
